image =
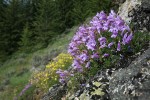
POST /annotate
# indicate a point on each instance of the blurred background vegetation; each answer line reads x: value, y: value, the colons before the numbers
x: 29, y: 25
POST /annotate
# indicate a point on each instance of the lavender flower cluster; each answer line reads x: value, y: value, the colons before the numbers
x: 103, y: 31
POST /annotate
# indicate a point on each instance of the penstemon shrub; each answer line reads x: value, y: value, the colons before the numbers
x: 102, y: 38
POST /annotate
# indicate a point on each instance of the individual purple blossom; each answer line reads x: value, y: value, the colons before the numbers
x: 127, y: 38
x: 125, y: 28
x: 114, y: 32
x: 119, y: 22
x: 102, y: 41
x: 82, y: 85
x: 106, y: 25
x: 61, y: 80
x: 106, y: 55
x: 112, y: 16
x: 84, y: 57
x: 71, y: 74
x: 112, y: 13
x: 91, y: 44
x: 72, y: 44
x: 124, y: 38
x: 110, y: 44
x: 99, y: 27
x: 114, y: 35
x: 102, y: 16
x: 95, y: 55
x: 82, y: 29
x: 85, y: 39
x: 77, y: 65
x: 25, y: 88
x: 97, y: 23
x: 87, y: 64
x: 119, y: 46
x: 63, y: 74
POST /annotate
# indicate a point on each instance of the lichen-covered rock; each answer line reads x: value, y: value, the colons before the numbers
x: 126, y: 9
x: 137, y: 13
x: 56, y: 92
x: 133, y: 82
x: 96, y: 88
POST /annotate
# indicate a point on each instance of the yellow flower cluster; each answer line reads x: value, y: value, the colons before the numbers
x: 48, y: 77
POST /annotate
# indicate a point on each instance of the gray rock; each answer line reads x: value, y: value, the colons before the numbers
x: 126, y: 9
x: 56, y: 92
x: 137, y: 13
x: 133, y: 82
x: 146, y: 5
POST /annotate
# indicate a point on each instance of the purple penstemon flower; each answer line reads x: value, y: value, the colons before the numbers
x: 82, y: 29
x: 102, y: 41
x: 99, y: 27
x: 77, y: 65
x: 84, y: 57
x: 63, y: 74
x: 119, y: 46
x: 110, y: 44
x: 25, y: 88
x: 91, y: 44
x: 106, y: 55
x: 87, y: 64
x: 82, y: 85
x: 124, y: 38
x: 85, y: 39
x: 119, y: 21
x: 114, y: 32
x: 106, y: 25
x: 102, y: 15
x: 127, y: 38
x: 95, y: 55
x: 112, y: 14
x: 62, y: 80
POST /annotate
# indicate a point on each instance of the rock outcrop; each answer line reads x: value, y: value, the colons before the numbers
x: 129, y: 83
x: 133, y: 82
x: 137, y: 13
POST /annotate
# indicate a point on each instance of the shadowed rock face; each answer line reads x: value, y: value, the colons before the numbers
x: 145, y: 5
x: 133, y: 82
